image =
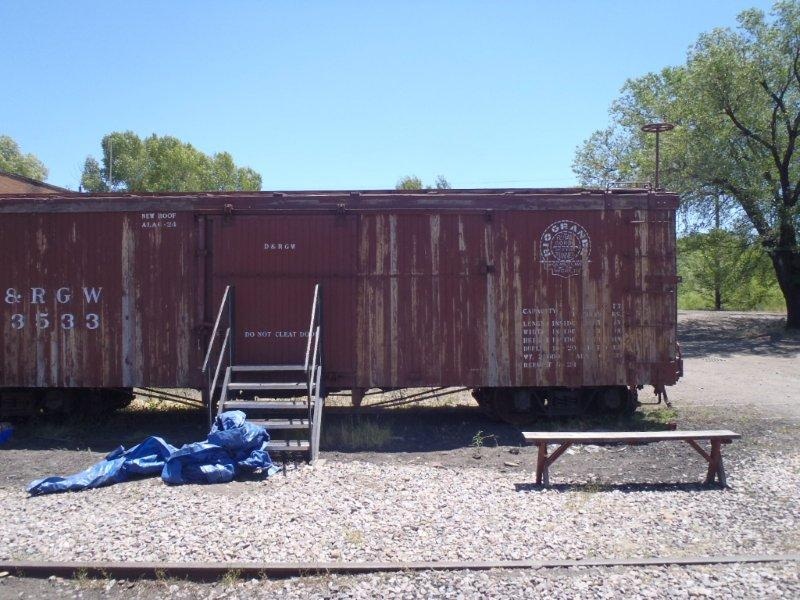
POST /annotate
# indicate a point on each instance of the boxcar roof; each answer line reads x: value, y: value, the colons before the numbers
x: 452, y: 199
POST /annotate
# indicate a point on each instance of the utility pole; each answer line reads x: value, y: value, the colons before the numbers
x: 110, y: 163
x: 657, y: 128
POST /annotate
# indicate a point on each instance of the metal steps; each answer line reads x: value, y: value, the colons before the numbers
x: 281, y: 424
x: 278, y: 385
x: 236, y: 387
x: 288, y: 446
x: 265, y: 368
x: 246, y: 405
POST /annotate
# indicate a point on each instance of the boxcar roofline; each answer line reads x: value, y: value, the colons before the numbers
x: 399, y: 200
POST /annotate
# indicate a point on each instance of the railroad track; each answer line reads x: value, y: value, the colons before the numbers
x: 212, y: 571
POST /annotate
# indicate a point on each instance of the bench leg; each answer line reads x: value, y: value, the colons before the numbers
x: 541, y: 465
x: 715, y: 468
x: 721, y: 473
x: 543, y: 461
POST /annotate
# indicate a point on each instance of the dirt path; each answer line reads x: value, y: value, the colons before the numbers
x: 739, y: 361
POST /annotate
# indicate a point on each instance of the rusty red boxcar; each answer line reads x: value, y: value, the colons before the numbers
x: 539, y: 300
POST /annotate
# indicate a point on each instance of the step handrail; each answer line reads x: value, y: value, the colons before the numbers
x: 314, y: 317
x: 313, y: 364
x: 212, y: 388
x: 311, y: 373
x: 225, y: 308
x: 215, y: 331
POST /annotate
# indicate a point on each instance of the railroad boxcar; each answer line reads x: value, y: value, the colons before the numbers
x: 541, y: 301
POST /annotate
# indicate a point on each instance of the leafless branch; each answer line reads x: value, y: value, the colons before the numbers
x: 746, y: 130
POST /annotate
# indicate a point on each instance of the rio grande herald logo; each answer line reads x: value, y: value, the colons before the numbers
x: 565, y: 245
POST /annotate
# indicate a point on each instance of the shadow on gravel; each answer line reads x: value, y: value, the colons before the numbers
x: 736, y: 333
x: 104, y: 433
x: 626, y: 488
x: 411, y: 429
x: 434, y: 428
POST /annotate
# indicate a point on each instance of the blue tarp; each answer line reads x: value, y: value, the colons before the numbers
x: 233, y: 447
x: 6, y: 431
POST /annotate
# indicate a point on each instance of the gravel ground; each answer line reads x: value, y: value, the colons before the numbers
x: 358, y: 511
x: 775, y: 580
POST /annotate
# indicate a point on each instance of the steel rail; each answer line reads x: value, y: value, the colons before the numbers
x: 165, y: 397
x: 417, y: 397
x: 210, y: 571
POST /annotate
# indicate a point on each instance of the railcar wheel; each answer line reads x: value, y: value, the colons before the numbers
x: 102, y: 401
x: 485, y: 398
x: 515, y: 406
x: 617, y: 400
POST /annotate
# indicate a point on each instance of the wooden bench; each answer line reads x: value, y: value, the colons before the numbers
x: 567, y: 439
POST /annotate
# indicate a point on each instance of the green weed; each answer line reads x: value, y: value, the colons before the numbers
x: 231, y: 577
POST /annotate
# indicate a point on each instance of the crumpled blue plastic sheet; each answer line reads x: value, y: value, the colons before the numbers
x: 147, y: 458
x: 6, y: 431
x: 233, y: 447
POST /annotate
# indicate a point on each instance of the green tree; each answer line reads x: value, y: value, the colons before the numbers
x: 412, y: 182
x: 12, y: 160
x: 409, y: 182
x: 736, y: 104
x: 163, y: 164
x: 725, y: 270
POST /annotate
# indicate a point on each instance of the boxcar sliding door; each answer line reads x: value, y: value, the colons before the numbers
x: 273, y: 261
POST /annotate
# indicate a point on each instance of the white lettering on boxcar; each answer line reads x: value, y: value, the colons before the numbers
x: 281, y: 246
x: 153, y: 220
x: 40, y: 317
x: 552, y: 339
x: 92, y: 295
x: 263, y: 333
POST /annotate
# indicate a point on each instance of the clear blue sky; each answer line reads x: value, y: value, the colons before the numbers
x: 338, y: 94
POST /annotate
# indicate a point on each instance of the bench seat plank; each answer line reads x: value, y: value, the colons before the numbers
x: 595, y: 437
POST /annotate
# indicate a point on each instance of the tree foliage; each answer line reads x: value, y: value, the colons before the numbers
x: 412, y: 182
x: 736, y: 104
x: 442, y: 183
x: 725, y: 270
x: 12, y: 160
x: 163, y: 164
x: 409, y: 182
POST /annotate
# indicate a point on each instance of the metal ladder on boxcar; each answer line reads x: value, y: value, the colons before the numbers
x: 285, y: 399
